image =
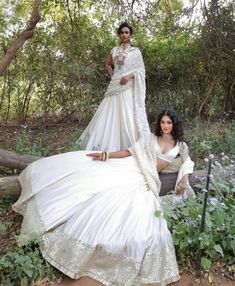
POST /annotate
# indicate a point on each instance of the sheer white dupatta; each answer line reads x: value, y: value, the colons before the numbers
x: 145, y: 153
x: 134, y: 65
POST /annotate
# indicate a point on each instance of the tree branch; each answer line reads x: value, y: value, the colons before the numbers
x: 22, y: 38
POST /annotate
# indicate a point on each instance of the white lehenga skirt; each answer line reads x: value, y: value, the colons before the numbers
x: 113, y: 126
x: 97, y: 219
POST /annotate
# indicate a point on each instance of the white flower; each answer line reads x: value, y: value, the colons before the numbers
x: 200, y: 238
x: 190, y: 223
x: 232, y: 181
x: 211, y: 156
x: 199, y: 216
x: 24, y: 126
x: 211, y: 177
x: 213, y: 201
x: 204, y: 190
x: 206, y: 160
x: 190, y: 241
x: 222, y: 154
x: 217, y: 164
x: 226, y: 157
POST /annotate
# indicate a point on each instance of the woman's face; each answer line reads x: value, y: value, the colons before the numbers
x: 125, y: 35
x: 166, y: 124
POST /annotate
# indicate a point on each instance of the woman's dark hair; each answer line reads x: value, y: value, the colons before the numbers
x: 177, y: 131
x: 123, y: 25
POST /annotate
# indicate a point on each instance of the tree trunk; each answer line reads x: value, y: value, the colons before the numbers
x: 22, y: 38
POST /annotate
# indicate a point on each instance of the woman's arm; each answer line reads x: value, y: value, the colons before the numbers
x: 161, y: 164
x: 126, y: 78
x: 118, y: 154
x: 108, y: 65
x: 182, y: 185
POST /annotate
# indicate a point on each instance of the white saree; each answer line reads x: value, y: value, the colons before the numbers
x: 120, y: 118
x: 97, y: 219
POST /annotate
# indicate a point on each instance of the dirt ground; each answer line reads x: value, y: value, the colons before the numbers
x: 187, y: 279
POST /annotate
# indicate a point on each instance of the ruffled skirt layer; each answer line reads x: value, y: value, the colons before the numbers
x: 113, y: 126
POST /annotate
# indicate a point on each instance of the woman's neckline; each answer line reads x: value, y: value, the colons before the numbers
x: 125, y: 46
x: 176, y: 144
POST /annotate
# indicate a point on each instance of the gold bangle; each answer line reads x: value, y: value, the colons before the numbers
x: 103, y: 156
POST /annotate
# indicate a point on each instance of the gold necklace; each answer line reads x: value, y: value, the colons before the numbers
x: 121, y: 57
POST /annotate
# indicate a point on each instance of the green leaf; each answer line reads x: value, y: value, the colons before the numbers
x: 158, y: 213
x: 24, y: 281
x: 219, y: 217
x: 2, y: 228
x: 219, y: 249
x: 206, y: 263
x: 208, y: 221
x: 232, y: 244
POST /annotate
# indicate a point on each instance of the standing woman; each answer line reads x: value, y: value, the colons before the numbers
x: 120, y: 119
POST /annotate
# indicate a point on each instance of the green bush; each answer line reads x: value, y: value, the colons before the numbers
x: 217, y: 242
x: 24, y: 265
x: 205, y: 138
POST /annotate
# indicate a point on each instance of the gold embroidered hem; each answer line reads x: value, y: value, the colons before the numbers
x: 76, y: 259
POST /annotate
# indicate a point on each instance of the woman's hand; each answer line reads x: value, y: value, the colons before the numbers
x: 96, y: 156
x: 102, y: 157
x: 182, y: 186
x: 125, y: 79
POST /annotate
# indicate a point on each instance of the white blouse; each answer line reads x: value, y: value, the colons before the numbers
x: 170, y: 155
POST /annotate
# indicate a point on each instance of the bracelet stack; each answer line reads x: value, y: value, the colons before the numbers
x: 105, y: 156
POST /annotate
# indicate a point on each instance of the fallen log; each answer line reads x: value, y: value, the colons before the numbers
x: 11, y: 186
x: 12, y: 160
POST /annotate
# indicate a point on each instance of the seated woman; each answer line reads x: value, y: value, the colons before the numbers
x: 96, y: 217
